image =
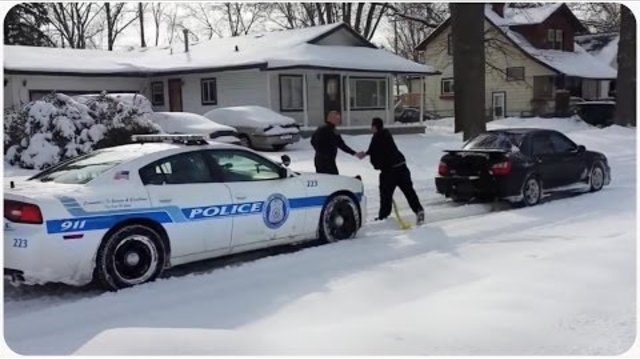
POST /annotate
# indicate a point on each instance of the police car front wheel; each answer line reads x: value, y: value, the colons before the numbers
x: 340, y: 219
x: 131, y: 255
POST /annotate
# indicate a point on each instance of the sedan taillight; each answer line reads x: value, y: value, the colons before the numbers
x: 501, y: 168
x: 21, y: 212
x: 443, y: 169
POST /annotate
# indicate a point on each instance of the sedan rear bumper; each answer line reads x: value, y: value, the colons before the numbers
x: 263, y: 141
x: 476, y: 186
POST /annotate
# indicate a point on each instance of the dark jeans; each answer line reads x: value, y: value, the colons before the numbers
x: 326, y: 166
x: 399, y: 176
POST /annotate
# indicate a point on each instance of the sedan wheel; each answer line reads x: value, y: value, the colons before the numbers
x: 531, y: 191
x: 340, y: 219
x: 596, y: 178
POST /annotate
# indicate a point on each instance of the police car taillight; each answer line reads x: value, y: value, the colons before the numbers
x: 22, y: 212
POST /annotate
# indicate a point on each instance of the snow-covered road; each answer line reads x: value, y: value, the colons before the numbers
x: 556, y: 279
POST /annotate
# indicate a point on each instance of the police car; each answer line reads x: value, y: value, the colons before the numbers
x: 122, y: 215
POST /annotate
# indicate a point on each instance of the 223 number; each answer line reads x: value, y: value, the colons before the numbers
x: 20, y: 243
x: 312, y: 183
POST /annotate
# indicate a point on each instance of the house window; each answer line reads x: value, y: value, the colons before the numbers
x: 515, y: 73
x: 209, y: 91
x: 449, y: 44
x: 157, y: 93
x: 446, y: 87
x: 555, y: 39
x: 368, y: 93
x: 542, y: 87
x: 291, y: 93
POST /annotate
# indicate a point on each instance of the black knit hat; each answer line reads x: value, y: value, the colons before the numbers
x: 378, y: 123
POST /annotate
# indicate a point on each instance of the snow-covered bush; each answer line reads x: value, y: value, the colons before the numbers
x: 58, y: 127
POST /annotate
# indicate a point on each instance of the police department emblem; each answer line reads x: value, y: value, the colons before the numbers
x: 276, y: 211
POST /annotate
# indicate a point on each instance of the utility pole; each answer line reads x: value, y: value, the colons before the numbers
x: 395, y: 49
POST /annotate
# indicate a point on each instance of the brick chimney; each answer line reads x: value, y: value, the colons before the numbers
x: 498, y: 8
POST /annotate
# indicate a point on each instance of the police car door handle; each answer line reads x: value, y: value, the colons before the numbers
x: 241, y: 197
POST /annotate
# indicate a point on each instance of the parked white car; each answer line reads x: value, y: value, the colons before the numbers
x: 190, y: 123
x: 122, y: 215
x: 259, y: 127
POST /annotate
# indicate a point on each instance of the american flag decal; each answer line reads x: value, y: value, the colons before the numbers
x: 122, y: 175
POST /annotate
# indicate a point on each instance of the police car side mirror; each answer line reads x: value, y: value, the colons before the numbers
x: 286, y: 160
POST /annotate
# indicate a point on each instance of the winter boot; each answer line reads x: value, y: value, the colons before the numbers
x: 420, y: 218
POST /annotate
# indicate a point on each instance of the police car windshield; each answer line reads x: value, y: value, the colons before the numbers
x: 82, y: 169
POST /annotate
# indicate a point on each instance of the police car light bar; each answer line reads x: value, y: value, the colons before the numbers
x: 187, y: 139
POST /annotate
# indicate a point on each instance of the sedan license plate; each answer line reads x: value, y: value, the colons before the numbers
x: 286, y: 137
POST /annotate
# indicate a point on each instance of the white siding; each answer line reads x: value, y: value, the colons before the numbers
x: 234, y: 88
x: 18, y: 86
x: 341, y: 37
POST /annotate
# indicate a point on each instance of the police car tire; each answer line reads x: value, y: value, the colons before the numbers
x: 150, y: 249
x: 336, y: 203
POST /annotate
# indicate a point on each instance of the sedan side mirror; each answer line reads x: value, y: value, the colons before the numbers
x: 283, y: 172
x: 286, y: 160
x: 581, y: 149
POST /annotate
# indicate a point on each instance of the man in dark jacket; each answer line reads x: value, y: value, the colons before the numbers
x: 386, y: 157
x: 326, y: 141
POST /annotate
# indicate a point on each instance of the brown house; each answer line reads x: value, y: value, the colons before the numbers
x: 531, y: 53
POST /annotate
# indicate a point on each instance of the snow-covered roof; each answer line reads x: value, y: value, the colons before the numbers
x: 577, y: 63
x: 604, y: 46
x: 529, y: 16
x: 269, y: 50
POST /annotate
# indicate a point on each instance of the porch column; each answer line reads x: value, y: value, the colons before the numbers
x: 422, y: 84
x: 389, y: 99
x: 348, y: 100
x: 305, y: 103
x: 269, y: 90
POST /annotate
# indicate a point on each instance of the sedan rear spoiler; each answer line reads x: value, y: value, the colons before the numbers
x: 478, y: 151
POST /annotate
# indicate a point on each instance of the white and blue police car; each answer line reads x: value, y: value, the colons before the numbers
x: 122, y: 215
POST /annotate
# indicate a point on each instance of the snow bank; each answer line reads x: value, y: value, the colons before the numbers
x: 252, y: 116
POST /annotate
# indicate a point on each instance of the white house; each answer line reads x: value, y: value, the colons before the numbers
x: 302, y: 73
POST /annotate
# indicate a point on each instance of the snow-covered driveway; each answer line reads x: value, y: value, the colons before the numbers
x: 556, y: 279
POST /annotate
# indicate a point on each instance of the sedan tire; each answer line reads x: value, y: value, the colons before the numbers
x: 531, y: 191
x: 596, y: 178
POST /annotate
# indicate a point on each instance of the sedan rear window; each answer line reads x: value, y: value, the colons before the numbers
x: 82, y: 169
x: 495, y: 141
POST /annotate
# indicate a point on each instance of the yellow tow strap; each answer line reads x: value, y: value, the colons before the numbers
x: 403, y: 224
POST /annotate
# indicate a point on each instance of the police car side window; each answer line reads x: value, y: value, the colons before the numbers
x: 187, y: 168
x: 242, y: 166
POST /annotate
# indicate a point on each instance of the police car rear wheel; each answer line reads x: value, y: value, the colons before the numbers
x: 130, y: 256
x: 340, y: 219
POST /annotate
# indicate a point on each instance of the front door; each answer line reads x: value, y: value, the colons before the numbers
x: 499, y: 104
x: 332, y: 94
x: 175, y: 94
x: 267, y: 205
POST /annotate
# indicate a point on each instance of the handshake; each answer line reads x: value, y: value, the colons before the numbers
x: 361, y: 155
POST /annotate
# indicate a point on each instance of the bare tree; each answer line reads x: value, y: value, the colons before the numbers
x: 467, y: 26
x: 626, y: 83
x: 116, y: 21
x: 412, y: 22
x: 242, y: 17
x: 141, y: 8
x: 74, y: 23
x: 597, y: 16
x: 364, y: 18
x: 207, y: 18
x: 157, y: 11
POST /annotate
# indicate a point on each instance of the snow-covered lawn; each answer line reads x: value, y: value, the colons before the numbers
x: 555, y: 279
